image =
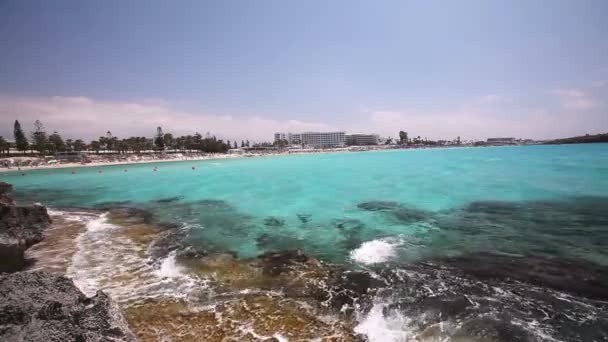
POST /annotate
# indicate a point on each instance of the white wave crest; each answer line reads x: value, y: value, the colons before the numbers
x: 384, y: 328
x: 169, y: 267
x: 107, y: 260
x: 375, y: 251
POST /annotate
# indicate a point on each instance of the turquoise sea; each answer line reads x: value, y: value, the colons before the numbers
x: 519, y: 200
x: 492, y: 244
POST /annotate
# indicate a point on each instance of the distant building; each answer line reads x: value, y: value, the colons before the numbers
x: 313, y: 139
x: 292, y: 139
x: 362, y: 139
x: 501, y: 141
x: 280, y: 137
x: 323, y: 139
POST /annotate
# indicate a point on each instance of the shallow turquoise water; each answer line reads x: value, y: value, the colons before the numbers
x: 548, y: 200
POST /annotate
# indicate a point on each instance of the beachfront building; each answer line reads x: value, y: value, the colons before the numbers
x: 501, y: 141
x: 362, y: 139
x: 323, y: 139
x: 313, y: 139
x: 294, y: 139
x: 291, y: 138
x: 280, y: 137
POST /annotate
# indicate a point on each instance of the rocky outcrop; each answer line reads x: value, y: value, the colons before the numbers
x: 5, y: 190
x: 20, y: 228
x: 40, y: 306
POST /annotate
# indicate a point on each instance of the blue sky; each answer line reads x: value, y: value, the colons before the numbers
x: 243, y: 69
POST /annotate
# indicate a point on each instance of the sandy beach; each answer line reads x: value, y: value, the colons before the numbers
x: 127, y: 162
x: 147, y: 159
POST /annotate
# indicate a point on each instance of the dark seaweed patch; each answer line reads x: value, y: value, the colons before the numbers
x: 112, y: 204
x: 573, y: 227
x: 378, y: 205
x: 168, y: 199
x: 213, y: 204
x: 274, y: 222
x: 575, y: 276
x: 304, y: 218
x: 411, y: 215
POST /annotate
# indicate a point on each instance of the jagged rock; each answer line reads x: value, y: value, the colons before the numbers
x: 5, y: 190
x: 20, y: 228
x: 174, y: 239
x: 40, y: 306
x: 274, y: 264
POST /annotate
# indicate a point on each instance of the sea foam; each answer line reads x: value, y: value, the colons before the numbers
x: 375, y: 251
x: 379, y: 327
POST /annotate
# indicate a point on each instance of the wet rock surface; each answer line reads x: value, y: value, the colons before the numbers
x: 39, y: 306
x: 501, y: 298
x: 576, y: 277
x: 276, y: 263
x: 20, y: 228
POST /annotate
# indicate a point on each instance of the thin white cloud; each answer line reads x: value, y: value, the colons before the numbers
x: 476, y: 121
x: 83, y: 117
x: 575, y: 99
x: 571, y: 113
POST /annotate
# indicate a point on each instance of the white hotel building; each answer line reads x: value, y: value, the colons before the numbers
x: 314, y: 139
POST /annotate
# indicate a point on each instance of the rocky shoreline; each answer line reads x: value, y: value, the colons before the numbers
x: 40, y: 306
x: 20, y: 228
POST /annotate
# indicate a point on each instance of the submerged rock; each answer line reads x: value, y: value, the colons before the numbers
x: 274, y: 222
x: 213, y: 204
x: 131, y: 215
x: 40, y: 306
x: 175, y: 239
x: 169, y: 199
x: 20, y: 228
x: 401, y: 212
x: 411, y: 215
x: 378, y: 205
x: 578, y: 277
x: 303, y: 217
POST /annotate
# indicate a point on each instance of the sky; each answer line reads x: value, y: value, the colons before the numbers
x: 246, y: 69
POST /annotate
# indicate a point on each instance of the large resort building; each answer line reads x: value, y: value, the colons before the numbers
x: 326, y: 139
x: 501, y: 141
x: 362, y: 139
x: 313, y: 139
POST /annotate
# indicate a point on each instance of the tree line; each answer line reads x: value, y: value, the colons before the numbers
x: 405, y: 140
x: 45, y: 144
